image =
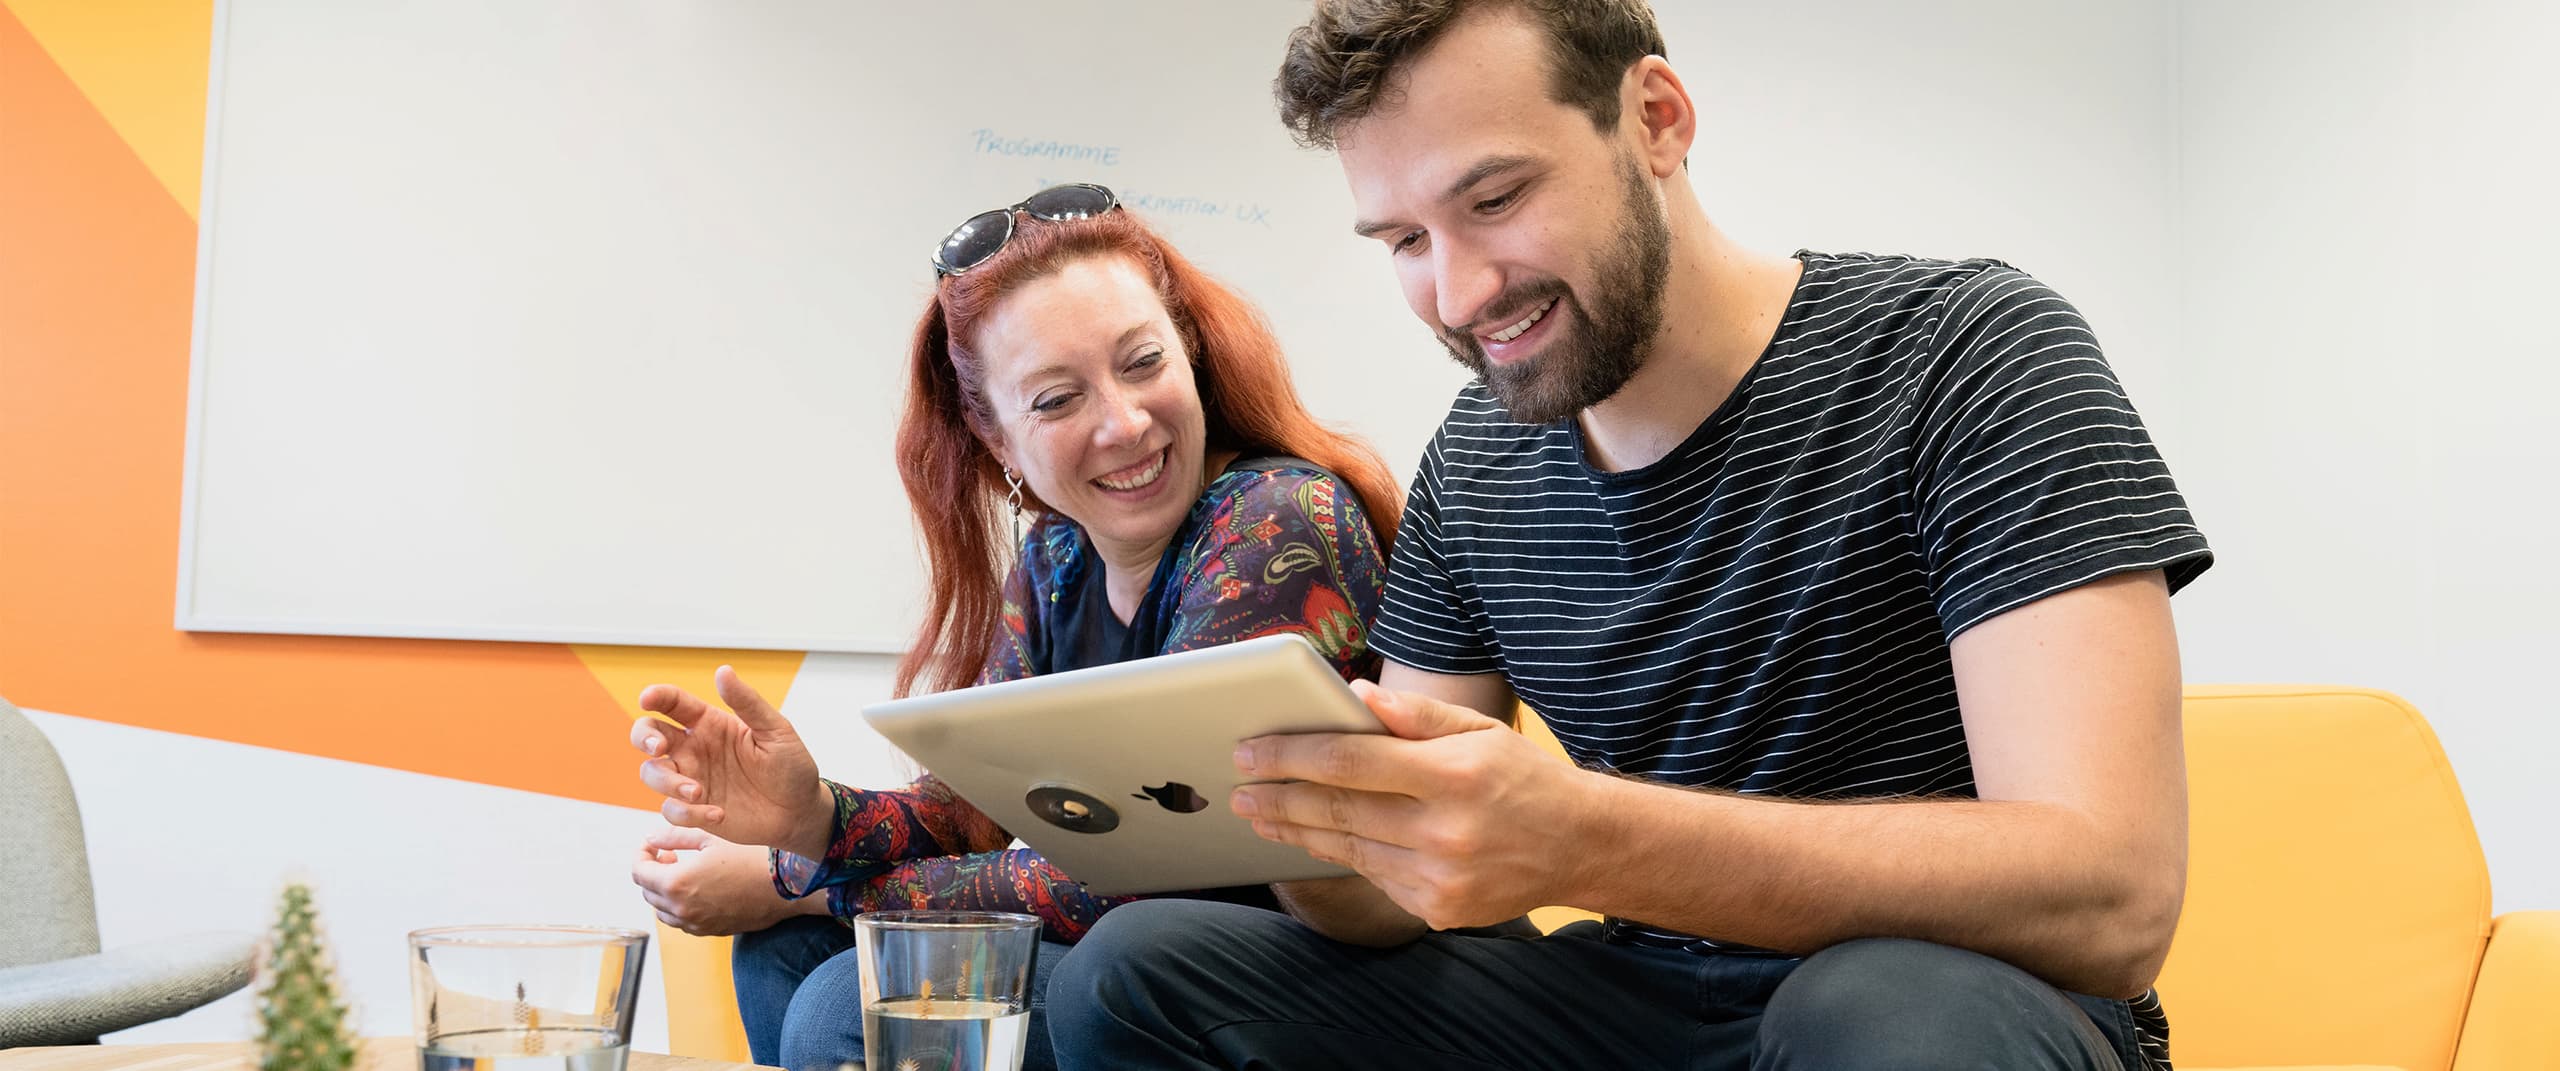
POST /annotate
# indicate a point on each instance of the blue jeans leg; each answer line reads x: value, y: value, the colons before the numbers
x: 767, y: 966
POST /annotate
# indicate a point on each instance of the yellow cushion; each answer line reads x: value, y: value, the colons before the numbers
x: 1547, y: 919
x: 2511, y: 1025
x: 2337, y: 901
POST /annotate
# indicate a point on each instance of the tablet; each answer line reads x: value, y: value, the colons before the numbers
x: 1120, y: 774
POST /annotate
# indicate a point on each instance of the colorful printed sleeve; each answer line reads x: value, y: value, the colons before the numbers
x: 1290, y: 551
x: 874, y: 831
x: 1014, y: 880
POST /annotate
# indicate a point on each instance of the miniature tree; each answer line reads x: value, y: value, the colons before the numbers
x: 302, y: 1025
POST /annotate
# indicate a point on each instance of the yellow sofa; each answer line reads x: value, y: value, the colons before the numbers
x: 2337, y: 905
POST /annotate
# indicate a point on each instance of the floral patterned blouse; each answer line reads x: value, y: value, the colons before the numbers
x: 1274, y: 545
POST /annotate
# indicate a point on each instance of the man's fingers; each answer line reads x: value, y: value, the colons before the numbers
x: 749, y: 706
x: 1371, y: 815
x: 1371, y: 858
x: 1365, y: 761
x: 1394, y: 870
x: 1419, y: 717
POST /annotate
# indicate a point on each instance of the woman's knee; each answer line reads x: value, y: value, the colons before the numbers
x: 822, y: 1025
x: 786, y: 951
x: 765, y: 969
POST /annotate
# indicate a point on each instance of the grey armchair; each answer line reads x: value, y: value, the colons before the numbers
x: 56, y: 987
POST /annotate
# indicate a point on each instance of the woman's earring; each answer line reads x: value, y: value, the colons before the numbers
x: 1013, y: 501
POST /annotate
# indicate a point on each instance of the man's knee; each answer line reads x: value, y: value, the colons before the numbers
x: 1139, y: 946
x: 1156, y: 967
x: 1894, y: 1003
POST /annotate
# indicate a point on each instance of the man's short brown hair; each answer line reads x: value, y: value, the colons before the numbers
x: 1340, y: 63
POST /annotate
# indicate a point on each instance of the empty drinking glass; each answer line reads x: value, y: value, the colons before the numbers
x: 524, y: 998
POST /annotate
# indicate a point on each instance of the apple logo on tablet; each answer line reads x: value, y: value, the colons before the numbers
x: 1173, y: 796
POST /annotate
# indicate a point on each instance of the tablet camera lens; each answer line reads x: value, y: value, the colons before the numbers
x: 1071, y: 809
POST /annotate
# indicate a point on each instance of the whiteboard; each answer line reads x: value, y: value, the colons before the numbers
x: 584, y: 321
x: 581, y: 321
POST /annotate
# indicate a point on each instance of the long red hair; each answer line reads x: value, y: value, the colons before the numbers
x: 956, y: 485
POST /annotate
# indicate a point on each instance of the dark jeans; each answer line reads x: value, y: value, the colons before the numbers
x: 1175, y: 984
x: 800, y: 993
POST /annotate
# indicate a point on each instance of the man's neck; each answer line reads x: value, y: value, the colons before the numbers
x: 1720, y: 306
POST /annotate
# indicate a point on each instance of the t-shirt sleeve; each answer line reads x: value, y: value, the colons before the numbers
x: 1290, y: 551
x: 1429, y: 620
x: 2033, y: 474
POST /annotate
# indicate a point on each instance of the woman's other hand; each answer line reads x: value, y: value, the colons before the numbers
x: 710, y: 887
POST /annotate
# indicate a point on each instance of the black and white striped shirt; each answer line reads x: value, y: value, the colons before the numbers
x: 1768, y: 608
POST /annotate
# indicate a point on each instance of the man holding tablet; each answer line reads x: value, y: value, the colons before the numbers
x: 1844, y: 579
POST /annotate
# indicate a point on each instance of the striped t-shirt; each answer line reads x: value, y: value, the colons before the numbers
x: 1767, y: 609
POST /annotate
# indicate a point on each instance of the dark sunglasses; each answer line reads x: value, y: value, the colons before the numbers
x: 972, y: 242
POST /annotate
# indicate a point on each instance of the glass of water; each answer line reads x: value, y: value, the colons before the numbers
x: 524, y: 998
x: 945, y: 990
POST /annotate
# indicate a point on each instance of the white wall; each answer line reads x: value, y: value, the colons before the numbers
x: 2038, y: 133
x: 2368, y: 217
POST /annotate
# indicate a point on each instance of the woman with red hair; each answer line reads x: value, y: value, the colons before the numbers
x: 1131, y: 423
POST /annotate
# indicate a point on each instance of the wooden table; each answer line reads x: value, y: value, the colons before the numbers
x: 380, y: 1054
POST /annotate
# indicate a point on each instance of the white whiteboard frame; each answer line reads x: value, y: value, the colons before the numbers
x: 188, y: 619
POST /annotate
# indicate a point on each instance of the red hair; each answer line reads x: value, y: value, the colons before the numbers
x: 956, y: 485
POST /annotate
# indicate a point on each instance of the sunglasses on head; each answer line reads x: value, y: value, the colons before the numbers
x: 981, y: 235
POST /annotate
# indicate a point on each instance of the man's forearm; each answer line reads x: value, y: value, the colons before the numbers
x: 1349, y: 910
x: 2084, y: 902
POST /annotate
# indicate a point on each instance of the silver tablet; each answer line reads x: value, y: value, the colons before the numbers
x: 1120, y: 774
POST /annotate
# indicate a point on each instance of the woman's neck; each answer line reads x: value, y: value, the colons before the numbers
x: 1127, y: 568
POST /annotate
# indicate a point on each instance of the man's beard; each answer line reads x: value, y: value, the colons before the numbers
x: 1604, y: 343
